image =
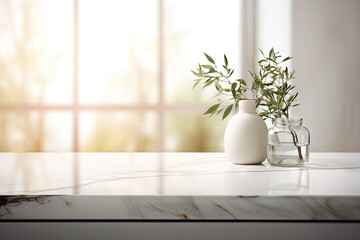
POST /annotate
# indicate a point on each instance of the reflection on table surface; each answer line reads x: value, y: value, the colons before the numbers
x: 173, y: 174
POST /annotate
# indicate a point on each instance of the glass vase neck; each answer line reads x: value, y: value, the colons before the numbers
x: 292, y: 121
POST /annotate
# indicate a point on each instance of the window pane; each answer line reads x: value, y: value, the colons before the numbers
x: 126, y: 131
x: 118, y: 51
x: 36, y: 51
x: 20, y: 132
x: 191, y: 28
x: 34, y: 131
x: 199, y: 134
x: 58, y: 131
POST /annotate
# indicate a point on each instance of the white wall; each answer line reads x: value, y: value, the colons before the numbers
x: 326, y: 51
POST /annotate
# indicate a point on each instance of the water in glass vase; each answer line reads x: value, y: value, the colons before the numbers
x: 287, y: 154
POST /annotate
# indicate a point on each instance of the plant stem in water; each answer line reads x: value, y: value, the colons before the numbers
x: 295, y: 140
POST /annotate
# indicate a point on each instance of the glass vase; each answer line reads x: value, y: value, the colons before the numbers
x: 288, y: 143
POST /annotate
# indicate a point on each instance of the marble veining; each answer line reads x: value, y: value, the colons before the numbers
x: 179, y: 208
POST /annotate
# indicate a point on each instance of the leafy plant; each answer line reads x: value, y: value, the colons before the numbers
x: 271, y: 87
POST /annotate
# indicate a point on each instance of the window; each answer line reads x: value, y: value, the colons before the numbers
x: 110, y: 75
x: 36, y: 75
x: 113, y: 75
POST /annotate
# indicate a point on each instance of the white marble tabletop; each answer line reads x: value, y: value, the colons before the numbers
x: 176, y: 186
x: 173, y: 174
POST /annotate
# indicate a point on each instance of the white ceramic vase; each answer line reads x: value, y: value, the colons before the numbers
x: 245, y: 140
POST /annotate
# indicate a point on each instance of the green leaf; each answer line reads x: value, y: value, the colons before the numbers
x: 256, y: 77
x: 218, y: 86
x: 207, y: 66
x: 195, y: 73
x: 253, y: 86
x: 208, y: 83
x: 212, y: 70
x: 231, y: 72
x: 262, y: 53
x: 286, y: 59
x: 294, y: 96
x: 227, y: 111
x: 292, y: 74
x: 241, y: 81
x: 233, y: 88
x: 196, y: 83
x: 251, y: 74
x: 208, y: 80
x: 271, y: 84
x: 272, y: 54
x: 266, y: 93
x: 212, y: 109
x: 218, y: 111
x: 209, y: 58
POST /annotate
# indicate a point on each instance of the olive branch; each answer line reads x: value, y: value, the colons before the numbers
x: 271, y: 86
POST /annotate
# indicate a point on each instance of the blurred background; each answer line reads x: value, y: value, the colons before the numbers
x: 114, y: 75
